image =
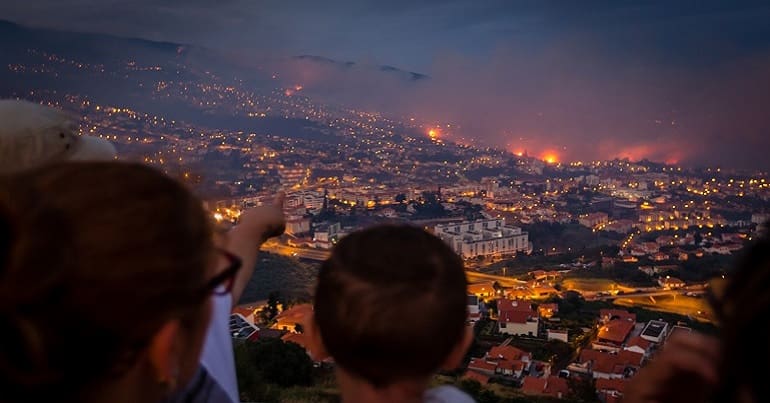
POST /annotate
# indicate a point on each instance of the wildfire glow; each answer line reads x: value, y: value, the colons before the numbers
x: 550, y: 157
x: 433, y: 134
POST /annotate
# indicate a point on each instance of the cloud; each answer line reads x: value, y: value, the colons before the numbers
x: 663, y: 79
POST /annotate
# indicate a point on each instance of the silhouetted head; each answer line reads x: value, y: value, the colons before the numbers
x: 743, y: 310
x: 105, y: 275
x: 391, y: 304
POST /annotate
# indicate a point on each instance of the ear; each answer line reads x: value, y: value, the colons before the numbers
x: 163, y: 352
x: 314, y: 342
x: 455, y: 358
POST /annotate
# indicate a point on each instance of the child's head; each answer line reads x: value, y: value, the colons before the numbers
x: 391, y: 305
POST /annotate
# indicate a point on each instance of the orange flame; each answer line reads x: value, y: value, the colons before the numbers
x: 433, y: 134
x: 550, y: 157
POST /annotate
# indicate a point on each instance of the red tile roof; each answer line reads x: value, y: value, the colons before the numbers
x: 611, y: 363
x: 504, y: 304
x: 533, y: 385
x: 616, y: 330
x: 508, y: 353
x: 557, y: 387
x: 638, y: 341
x: 514, y: 316
x: 482, y: 365
x: 552, y: 386
x: 514, y: 366
x: 610, y: 384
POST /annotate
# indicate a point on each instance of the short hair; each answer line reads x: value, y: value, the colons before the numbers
x: 391, y: 303
x: 94, y: 258
x: 743, y: 313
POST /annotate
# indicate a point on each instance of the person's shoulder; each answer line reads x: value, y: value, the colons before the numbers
x: 446, y: 394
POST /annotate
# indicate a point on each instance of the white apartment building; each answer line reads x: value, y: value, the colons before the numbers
x: 487, y: 237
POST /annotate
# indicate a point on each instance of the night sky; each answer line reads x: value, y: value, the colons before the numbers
x: 682, y: 81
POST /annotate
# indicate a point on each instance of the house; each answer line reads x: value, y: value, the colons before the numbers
x: 670, y: 283
x: 482, y: 366
x: 296, y: 225
x: 650, y: 247
x: 548, y: 310
x: 517, y: 317
x: 241, y: 329
x: 482, y: 290
x: 638, y: 345
x: 659, y: 257
x: 688, y: 239
x: 631, y: 258
x: 612, y: 388
x: 655, y: 331
x: 548, y: 386
x: 613, y: 334
x: 510, y: 361
x: 474, y: 313
x: 604, y: 365
x: 246, y: 312
x: 665, y: 240
x: 594, y: 220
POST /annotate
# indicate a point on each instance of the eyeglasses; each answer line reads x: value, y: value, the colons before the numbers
x: 222, y: 283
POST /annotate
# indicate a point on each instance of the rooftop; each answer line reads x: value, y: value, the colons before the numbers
x: 616, y: 330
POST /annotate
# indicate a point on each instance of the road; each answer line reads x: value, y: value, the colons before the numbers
x: 300, y: 253
x: 646, y: 297
x: 321, y: 255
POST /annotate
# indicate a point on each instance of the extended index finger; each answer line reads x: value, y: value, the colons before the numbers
x: 279, y: 199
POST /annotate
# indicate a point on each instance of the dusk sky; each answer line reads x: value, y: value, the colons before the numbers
x: 684, y: 81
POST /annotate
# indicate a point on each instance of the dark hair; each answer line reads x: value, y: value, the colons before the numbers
x: 94, y: 258
x: 391, y: 303
x: 744, y: 312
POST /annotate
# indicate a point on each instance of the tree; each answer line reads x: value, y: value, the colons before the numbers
x: 400, y: 198
x: 271, y: 311
x: 280, y: 363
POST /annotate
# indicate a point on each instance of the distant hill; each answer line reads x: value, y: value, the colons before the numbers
x: 345, y: 65
x: 16, y: 40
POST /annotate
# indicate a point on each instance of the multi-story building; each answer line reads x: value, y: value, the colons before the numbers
x: 593, y: 220
x: 471, y: 239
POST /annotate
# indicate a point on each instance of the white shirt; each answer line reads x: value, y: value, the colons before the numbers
x: 217, y: 356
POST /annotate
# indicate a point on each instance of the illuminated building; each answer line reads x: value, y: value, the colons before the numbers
x: 471, y: 239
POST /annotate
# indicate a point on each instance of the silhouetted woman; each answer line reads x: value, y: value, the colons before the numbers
x: 106, y: 277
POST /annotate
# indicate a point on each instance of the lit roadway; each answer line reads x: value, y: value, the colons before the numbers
x: 321, y: 255
x: 629, y: 297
